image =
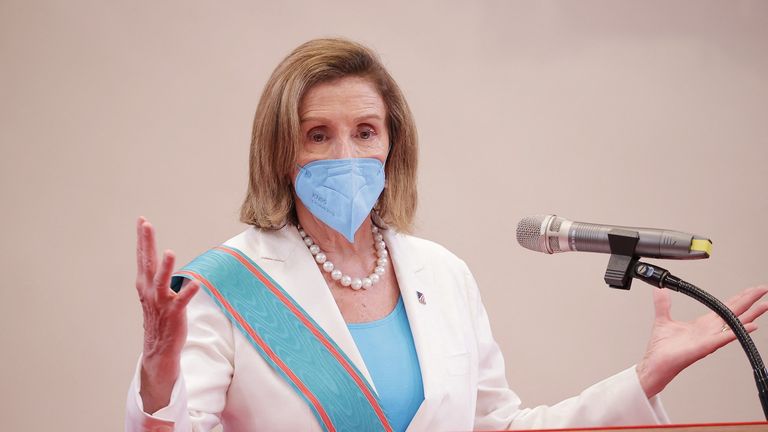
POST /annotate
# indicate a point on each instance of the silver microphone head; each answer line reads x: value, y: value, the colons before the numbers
x: 531, y: 232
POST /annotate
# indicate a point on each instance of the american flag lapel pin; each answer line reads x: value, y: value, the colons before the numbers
x: 421, y: 297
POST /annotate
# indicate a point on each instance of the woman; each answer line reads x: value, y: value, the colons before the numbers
x: 326, y: 315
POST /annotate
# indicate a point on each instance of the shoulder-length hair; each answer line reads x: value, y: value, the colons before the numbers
x: 276, y: 135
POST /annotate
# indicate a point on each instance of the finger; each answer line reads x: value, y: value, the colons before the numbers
x: 753, y: 313
x: 139, y: 246
x: 662, y: 304
x: 746, y: 298
x: 725, y: 337
x: 187, y: 292
x: 162, y: 279
x: 149, y: 250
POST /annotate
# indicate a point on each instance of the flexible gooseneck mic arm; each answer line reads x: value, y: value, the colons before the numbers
x: 624, y: 266
x: 662, y: 278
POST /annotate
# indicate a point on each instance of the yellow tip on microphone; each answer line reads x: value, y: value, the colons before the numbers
x: 702, y: 245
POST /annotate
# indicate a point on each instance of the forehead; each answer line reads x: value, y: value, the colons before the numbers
x: 344, y: 96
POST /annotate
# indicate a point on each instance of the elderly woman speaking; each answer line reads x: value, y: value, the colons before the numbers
x: 326, y: 315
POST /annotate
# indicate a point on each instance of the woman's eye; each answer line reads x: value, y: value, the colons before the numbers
x: 316, y: 137
x: 366, y: 133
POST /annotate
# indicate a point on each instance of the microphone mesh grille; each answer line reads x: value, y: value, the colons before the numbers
x: 556, y: 224
x: 554, y: 244
x: 529, y: 233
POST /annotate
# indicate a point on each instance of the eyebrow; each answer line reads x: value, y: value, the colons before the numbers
x: 356, y: 119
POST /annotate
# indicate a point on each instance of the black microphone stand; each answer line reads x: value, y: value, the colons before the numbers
x: 625, y: 265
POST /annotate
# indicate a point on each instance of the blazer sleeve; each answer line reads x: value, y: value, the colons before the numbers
x: 199, y: 395
x: 618, y: 400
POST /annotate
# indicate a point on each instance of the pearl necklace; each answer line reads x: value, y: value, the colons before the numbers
x: 345, y: 280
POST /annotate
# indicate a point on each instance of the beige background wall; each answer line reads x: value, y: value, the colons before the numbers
x: 640, y: 113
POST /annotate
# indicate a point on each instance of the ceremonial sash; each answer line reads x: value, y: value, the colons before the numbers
x: 288, y: 339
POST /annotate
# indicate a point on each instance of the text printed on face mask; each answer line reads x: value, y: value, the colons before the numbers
x: 321, y: 202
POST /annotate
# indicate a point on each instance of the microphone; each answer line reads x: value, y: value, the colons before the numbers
x: 551, y: 234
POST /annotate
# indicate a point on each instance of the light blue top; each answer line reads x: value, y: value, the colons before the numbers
x: 390, y: 356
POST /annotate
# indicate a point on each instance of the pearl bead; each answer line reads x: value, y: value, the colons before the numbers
x: 328, y: 266
x: 314, y: 249
x: 320, y: 258
x: 308, y: 241
x: 302, y: 233
x: 357, y: 283
x: 380, y: 245
x: 346, y: 280
x: 374, y: 229
x: 382, y: 262
x: 336, y: 275
x: 374, y: 277
x: 378, y: 237
x: 382, y: 253
x: 379, y: 270
x: 367, y: 282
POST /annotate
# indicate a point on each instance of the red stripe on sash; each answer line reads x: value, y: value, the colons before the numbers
x: 303, y: 388
x: 318, y: 334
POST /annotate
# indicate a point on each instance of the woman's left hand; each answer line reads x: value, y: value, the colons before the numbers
x: 675, y: 345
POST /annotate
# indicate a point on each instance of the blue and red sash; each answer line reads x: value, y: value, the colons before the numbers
x: 288, y: 339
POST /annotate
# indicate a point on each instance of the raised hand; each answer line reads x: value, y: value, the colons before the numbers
x: 165, y: 321
x: 675, y: 345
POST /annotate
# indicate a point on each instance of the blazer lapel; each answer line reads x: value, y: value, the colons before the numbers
x: 283, y: 255
x: 417, y: 284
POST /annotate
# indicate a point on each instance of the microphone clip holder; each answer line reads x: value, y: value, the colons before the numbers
x: 621, y: 265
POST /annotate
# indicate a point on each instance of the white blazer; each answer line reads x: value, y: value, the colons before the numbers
x: 224, y: 380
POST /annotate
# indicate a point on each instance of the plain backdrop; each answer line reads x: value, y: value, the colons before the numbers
x: 645, y: 113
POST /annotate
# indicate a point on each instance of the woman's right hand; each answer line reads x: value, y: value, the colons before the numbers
x: 165, y: 319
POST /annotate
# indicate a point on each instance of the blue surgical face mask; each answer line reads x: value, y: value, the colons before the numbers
x: 341, y: 192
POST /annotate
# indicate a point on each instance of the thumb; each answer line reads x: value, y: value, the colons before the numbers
x: 186, y: 293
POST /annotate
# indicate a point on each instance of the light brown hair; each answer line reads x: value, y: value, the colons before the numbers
x: 276, y: 136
